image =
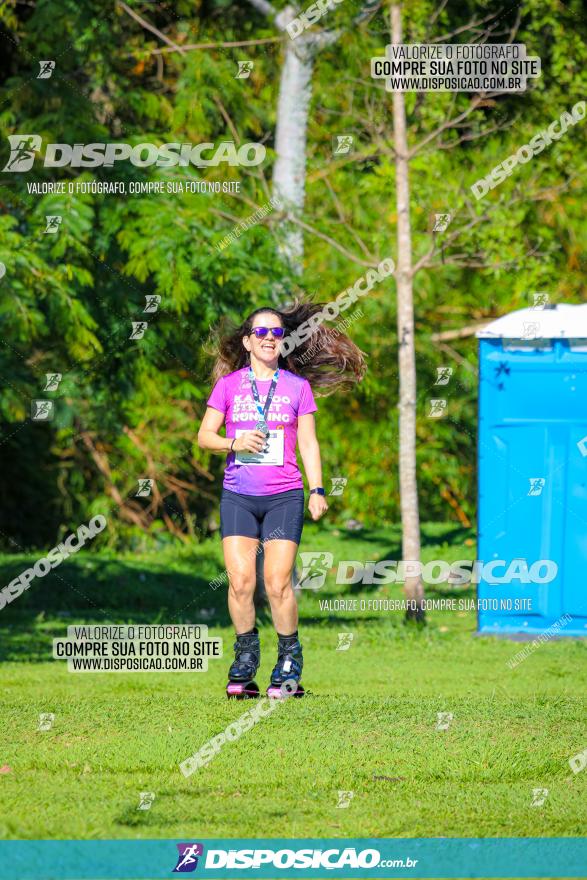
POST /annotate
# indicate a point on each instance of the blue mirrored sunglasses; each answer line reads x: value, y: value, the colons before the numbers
x: 261, y: 332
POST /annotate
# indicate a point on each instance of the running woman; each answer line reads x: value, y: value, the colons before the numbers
x: 266, y: 404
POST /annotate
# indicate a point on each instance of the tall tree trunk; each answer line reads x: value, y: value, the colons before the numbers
x: 289, y: 171
x: 408, y: 486
x: 295, y: 92
x: 289, y: 177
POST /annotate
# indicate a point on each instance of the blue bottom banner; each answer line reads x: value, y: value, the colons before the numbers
x: 275, y: 858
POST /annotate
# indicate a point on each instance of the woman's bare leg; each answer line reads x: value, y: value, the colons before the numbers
x: 239, y: 557
x: 280, y: 557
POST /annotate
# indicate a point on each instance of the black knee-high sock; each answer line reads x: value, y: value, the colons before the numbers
x: 252, y: 632
x: 289, y: 638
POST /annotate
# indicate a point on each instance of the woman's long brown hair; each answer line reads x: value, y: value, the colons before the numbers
x: 328, y: 359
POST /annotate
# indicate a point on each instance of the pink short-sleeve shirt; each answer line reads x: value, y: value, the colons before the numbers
x: 293, y: 397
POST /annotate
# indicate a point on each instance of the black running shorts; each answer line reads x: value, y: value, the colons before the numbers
x: 267, y: 517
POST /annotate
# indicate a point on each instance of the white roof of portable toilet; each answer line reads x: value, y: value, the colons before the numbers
x: 562, y: 321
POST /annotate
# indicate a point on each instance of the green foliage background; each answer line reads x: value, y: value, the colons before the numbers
x: 130, y: 409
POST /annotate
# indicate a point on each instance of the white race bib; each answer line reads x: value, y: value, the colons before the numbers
x: 275, y: 446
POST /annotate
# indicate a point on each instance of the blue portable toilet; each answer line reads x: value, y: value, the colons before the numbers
x: 532, y: 449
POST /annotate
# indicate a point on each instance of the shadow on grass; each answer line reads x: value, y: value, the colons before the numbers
x: 432, y: 535
x: 93, y: 590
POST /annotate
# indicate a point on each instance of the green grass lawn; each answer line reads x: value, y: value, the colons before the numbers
x: 371, y: 713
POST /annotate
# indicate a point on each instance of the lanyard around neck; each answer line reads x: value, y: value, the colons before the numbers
x: 263, y: 410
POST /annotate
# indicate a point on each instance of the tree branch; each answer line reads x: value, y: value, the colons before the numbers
x: 265, y: 7
x: 127, y: 511
x: 321, y: 39
x: 456, y: 356
x: 225, y: 115
x: 475, y: 261
x: 473, y: 136
x: 340, y: 211
x: 478, y: 99
x: 150, y: 27
x: 471, y: 25
x: 230, y: 45
x: 317, y: 40
x: 281, y: 18
x: 335, y: 244
x: 338, y: 163
x: 539, y: 195
x: 435, y: 16
x: 423, y: 262
x: 461, y: 333
x: 450, y: 123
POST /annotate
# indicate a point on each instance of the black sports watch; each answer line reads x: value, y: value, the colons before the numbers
x: 318, y: 491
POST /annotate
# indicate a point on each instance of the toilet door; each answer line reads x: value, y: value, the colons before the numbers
x: 574, y: 585
x: 520, y: 510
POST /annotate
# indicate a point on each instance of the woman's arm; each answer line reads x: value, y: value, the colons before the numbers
x: 310, y: 452
x: 209, y: 438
